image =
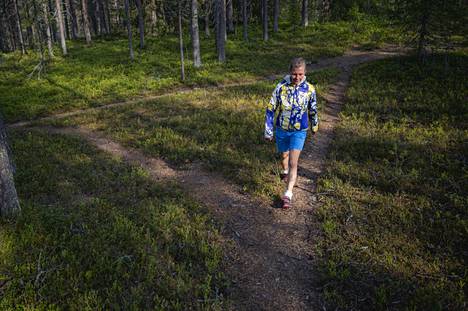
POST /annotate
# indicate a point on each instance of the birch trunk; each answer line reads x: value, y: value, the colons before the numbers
x: 181, y: 44
x: 63, y: 43
x: 85, y: 18
x: 195, y: 35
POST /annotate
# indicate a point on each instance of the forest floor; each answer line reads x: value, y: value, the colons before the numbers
x: 269, y: 255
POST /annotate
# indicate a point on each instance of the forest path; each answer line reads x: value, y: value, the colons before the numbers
x: 349, y: 58
x: 269, y: 254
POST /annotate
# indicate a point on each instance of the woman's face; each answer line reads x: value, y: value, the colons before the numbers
x: 297, y: 74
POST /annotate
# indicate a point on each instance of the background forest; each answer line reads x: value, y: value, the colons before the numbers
x: 186, y: 82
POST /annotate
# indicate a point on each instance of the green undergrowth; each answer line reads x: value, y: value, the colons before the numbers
x: 394, y: 217
x: 222, y: 128
x: 102, y: 73
x: 97, y: 234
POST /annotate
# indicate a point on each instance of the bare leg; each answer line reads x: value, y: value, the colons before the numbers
x: 285, y: 160
x: 293, y: 160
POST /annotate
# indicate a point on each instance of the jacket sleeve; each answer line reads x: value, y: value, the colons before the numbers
x: 313, y: 114
x: 270, y: 112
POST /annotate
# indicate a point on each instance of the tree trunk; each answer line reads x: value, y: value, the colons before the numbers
x: 195, y: 35
x: 422, y: 33
x: 45, y: 12
x: 229, y: 16
x: 305, y: 13
x: 276, y: 14
x: 141, y: 23
x: 96, y: 18
x: 74, y: 25
x: 221, y: 29
x: 108, y: 16
x: 117, y: 9
x: 53, y: 28
x: 85, y: 18
x: 265, y: 19
x: 9, y: 203
x: 207, y: 18
x: 102, y: 16
x: 129, y: 29
x: 18, y: 25
x: 181, y: 44
x: 154, y: 17
x: 63, y: 44
x: 245, y: 22
x: 66, y: 20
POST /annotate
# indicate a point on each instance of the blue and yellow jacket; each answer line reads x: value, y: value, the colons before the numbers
x: 297, y: 105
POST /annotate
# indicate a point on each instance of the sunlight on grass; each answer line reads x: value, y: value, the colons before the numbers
x: 222, y: 128
x: 395, y: 193
x: 102, y: 73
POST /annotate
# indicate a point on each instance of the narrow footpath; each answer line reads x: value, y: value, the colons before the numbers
x: 268, y: 251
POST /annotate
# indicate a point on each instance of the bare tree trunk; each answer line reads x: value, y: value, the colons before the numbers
x: 229, y: 16
x: 422, y: 33
x: 96, y: 18
x: 154, y: 17
x: 63, y: 44
x: 45, y: 12
x: 85, y: 18
x: 129, y: 29
x: 18, y: 25
x: 181, y: 44
x: 245, y: 21
x: 141, y: 24
x: 53, y: 28
x: 9, y: 203
x: 305, y: 13
x: 107, y: 16
x: 71, y: 11
x: 66, y: 20
x: 207, y: 18
x: 195, y: 35
x: 265, y: 19
x: 221, y: 29
x: 117, y: 9
x: 276, y: 16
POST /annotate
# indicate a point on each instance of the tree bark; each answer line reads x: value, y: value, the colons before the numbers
x: 129, y: 29
x: 45, y: 12
x: 305, y: 13
x: 195, y: 35
x: 276, y: 14
x: 74, y: 25
x: 245, y: 21
x: 229, y: 16
x: 265, y: 19
x: 18, y: 25
x: 66, y: 19
x: 141, y: 23
x: 207, y: 18
x: 181, y: 43
x: 221, y: 29
x: 107, y: 16
x: 63, y: 43
x: 422, y: 33
x: 85, y: 18
x: 154, y: 17
x: 9, y: 203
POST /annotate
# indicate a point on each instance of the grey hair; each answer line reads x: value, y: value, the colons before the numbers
x: 296, y: 63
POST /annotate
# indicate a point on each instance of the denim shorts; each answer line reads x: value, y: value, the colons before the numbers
x: 288, y: 140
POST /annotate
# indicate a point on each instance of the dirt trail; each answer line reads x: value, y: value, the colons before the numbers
x: 350, y: 58
x: 269, y: 252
